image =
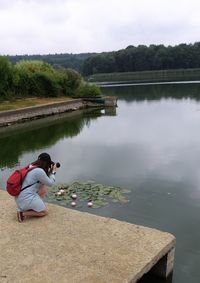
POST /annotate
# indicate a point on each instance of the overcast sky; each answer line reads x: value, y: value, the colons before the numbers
x: 76, y: 26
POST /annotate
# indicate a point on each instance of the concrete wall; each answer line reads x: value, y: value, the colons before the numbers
x: 14, y: 116
x: 29, y: 113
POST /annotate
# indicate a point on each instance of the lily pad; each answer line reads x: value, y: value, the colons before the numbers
x: 99, y: 194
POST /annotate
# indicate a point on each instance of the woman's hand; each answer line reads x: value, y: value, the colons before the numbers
x: 54, y: 168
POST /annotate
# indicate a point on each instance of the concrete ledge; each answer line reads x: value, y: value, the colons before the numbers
x: 73, y: 247
x: 14, y: 116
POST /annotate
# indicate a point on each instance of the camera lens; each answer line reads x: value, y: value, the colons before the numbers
x: 57, y: 164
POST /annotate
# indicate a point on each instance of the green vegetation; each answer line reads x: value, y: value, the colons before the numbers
x: 143, y: 58
x: 6, y: 76
x: 148, y: 76
x: 47, y: 76
x: 88, y: 90
x: 99, y: 194
x: 39, y: 79
x: 58, y: 61
x: 130, y: 59
x: 30, y: 102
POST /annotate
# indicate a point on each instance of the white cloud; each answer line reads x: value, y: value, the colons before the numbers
x: 74, y: 26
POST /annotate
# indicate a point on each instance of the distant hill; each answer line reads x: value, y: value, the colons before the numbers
x: 73, y: 61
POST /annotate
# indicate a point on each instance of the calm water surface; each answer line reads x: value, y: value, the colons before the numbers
x: 151, y: 145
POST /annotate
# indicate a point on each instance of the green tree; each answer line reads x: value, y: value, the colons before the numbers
x: 6, y: 76
x: 143, y: 58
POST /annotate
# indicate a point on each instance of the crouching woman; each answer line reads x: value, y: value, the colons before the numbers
x: 30, y: 201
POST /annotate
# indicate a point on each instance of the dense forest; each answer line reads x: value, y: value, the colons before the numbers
x: 30, y: 78
x: 143, y: 58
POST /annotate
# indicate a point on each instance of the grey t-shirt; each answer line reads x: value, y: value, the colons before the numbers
x: 36, y: 177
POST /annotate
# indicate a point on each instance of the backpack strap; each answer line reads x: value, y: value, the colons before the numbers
x: 29, y: 186
x: 30, y: 169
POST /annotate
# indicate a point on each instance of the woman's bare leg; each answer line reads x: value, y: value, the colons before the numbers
x: 29, y: 213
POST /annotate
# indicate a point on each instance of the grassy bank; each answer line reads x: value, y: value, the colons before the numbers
x: 29, y: 102
x: 148, y: 76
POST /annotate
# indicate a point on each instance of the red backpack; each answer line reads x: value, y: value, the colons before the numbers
x: 14, y: 182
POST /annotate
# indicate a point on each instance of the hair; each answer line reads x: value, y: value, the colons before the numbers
x: 45, y: 165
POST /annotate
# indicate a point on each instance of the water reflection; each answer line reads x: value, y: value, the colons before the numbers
x: 150, y: 147
x: 39, y: 134
x: 155, y: 92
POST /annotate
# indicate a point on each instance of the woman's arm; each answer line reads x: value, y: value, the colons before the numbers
x: 43, y: 178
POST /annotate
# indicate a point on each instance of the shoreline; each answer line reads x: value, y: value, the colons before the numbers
x: 11, y: 117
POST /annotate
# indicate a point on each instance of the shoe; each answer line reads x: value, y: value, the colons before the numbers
x: 20, y: 216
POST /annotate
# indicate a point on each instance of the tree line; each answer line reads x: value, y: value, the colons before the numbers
x: 130, y: 59
x: 58, y: 61
x: 30, y: 78
x: 144, y: 58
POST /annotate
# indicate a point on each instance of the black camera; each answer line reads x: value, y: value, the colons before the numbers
x: 57, y: 164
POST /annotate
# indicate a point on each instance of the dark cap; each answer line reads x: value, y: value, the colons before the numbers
x: 45, y: 157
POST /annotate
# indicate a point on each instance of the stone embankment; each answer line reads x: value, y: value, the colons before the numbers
x: 29, y: 113
x: 69, y: 246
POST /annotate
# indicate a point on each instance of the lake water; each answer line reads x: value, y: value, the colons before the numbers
x: 151, y: 145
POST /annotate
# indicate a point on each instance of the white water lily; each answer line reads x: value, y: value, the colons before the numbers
x: 74, y: 196
x: 73, y: 203
x: 90, y: 204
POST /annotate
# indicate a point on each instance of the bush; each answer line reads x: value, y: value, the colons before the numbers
x: 21, y: 82
x: 34, y: 66
x: 43, y: 84
x: 6, y: 76
x: 37, y: 78
x: 70, y: 82
x: 86, y: 89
